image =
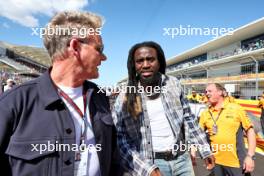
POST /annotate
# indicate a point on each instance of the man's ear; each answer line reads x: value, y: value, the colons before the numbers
x: 74, y: 47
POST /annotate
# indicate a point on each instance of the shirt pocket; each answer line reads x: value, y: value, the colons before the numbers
x: 102, y: 124
x: 33, y: 157
x: 106, y: 118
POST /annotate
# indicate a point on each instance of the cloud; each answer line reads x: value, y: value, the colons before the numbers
x: 5, y: 25
x: 25, y: 12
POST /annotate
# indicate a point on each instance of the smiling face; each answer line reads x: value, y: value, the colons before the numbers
x: 213, y: 94
x: 147, y: 65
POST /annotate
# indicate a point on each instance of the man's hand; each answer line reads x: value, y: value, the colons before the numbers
x: 156, y: 172
x: 210, y: 162
x: 248, y: 165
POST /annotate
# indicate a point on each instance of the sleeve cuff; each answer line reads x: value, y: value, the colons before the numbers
x: 251, y: 126
x: 205, y: 151
x: 151, y: 169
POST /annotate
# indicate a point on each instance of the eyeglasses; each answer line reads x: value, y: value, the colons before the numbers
x: 98, y: 48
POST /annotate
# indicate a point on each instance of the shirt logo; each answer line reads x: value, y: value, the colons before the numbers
x: 229, y: 117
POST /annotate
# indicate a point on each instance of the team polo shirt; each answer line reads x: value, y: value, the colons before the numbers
x: 225, y: 143
x: 261, y: 103
x: 230, y: 99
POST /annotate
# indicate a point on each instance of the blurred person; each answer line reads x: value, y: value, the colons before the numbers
x: 261, y: 105
x: 224, y: 122
x: 228, y: 97
x: 204, y: 99
x: 59, y: 123
x: 10, y: 83
x: 194, y: 97
x: 151, y: 123
x: 2, y: 87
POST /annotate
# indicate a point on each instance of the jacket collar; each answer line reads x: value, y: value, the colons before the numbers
x: 47, y: 89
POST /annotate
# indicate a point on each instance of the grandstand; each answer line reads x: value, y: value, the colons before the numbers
x: 236, y: 60
x: 22, y: 62
x: 14, y: 64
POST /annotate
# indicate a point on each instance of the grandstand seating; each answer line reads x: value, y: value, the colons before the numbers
x: 18, y: 66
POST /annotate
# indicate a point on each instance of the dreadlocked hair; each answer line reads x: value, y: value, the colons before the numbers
x: 132, y: 99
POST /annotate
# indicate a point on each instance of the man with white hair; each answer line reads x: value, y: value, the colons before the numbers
x: 9, y: 84
x: 60, y: 123
x: 225, y: 122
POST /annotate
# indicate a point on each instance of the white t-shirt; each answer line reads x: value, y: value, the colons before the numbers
x: 7, y: 87
x: 162, y: 135
x: 76, y: 94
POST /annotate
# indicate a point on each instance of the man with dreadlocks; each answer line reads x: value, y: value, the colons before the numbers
x: 151, y: 125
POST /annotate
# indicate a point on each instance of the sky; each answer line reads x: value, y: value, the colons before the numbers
x: 128, y: 22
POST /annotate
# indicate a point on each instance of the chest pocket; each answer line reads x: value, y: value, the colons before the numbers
x: 174, y: 104
x: 103, y: 128
x: 104, y: 117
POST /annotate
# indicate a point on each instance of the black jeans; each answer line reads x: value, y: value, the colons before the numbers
x: 220, y: 170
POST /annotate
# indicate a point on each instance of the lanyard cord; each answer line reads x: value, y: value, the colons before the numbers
x: 77, y: 109
x: 69, y: 100
x: 217, y: 115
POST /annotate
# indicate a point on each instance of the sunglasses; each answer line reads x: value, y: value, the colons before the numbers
x: 98, y: 48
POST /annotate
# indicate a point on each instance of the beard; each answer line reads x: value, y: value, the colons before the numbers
x: 153, y: 80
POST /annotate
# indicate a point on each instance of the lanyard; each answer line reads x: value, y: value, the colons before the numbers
x: 215, y: 119
x: 77, y: 109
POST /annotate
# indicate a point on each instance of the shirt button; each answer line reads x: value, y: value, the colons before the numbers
x: 68, y: 162
x: 147, y: 126
x: 68, y: 131
x: 61, y: 104
x: 148, y: 142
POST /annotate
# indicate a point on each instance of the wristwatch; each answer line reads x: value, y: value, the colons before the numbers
x: 253, y: 157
